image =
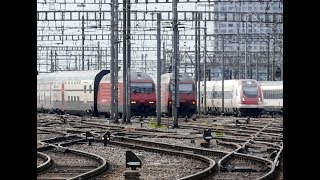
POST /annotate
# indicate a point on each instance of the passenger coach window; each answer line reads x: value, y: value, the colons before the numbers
x: 85, y: 88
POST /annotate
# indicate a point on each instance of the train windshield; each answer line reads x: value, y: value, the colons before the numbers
x: 184, y: 88
x: 250, y: 89
x: 142, y: 87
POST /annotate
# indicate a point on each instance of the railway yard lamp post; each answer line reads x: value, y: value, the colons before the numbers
x: 175, y: 63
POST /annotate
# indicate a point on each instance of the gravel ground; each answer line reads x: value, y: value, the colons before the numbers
x: 245, y: 163
x: 69, y: 159
x: 46, y: 135
x: 40, y: 161
x: 188, y: 143
x: 63, y: 163
x: 235, y: 175
x: 154, y: 165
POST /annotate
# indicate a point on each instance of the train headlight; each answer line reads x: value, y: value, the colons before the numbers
x: 133, y: 102
x: 242, y: 99
x: 151, y: 102
x: 259, y: 99
x: 193, y: 102
x: 170, y: 102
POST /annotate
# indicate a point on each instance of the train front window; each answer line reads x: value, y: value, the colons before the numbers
x: 142, y: 87
x: 250, y: 89
x: 184, y: 88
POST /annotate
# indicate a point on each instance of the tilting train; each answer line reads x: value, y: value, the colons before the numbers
x: 187, y: 95
x: 242, y: 97
x: 77, y: 92
x: 273, y: 97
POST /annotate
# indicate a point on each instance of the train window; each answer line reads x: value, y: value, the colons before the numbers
x: 250, y: 89
x: 228, y: 94
x: 185, y: 88
x: 142, y: 87
x: 85, y: 88
x: 78, y: 99
x: 273, y: 94
x: 90, y: 89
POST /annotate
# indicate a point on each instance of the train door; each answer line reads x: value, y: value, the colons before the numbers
x: 234, y: 97
x: 50, y: 93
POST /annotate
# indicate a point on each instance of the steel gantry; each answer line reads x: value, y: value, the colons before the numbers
x: 99, y: 34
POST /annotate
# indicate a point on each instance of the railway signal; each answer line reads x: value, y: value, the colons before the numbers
x: 89, y: 137
x: 132, y: 160
x: 106, y: 138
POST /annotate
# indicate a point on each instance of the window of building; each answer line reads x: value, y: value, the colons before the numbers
x: 71, y: 98
x: 85, y: 88
x: 222, y: 25
x: 74, y: 98
x: 78, y: 99
x: 68, y: 98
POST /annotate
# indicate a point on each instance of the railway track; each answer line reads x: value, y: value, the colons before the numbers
x: 65, y: 163
x: 252, y: 151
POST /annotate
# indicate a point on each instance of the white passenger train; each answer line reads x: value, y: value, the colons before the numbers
x: 242, y: 97
x: 273, y: 97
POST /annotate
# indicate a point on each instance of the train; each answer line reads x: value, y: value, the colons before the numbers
x: 187, y: 95
x: 242, y: 97
x: 273, y: 97
x: 79, y: 92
